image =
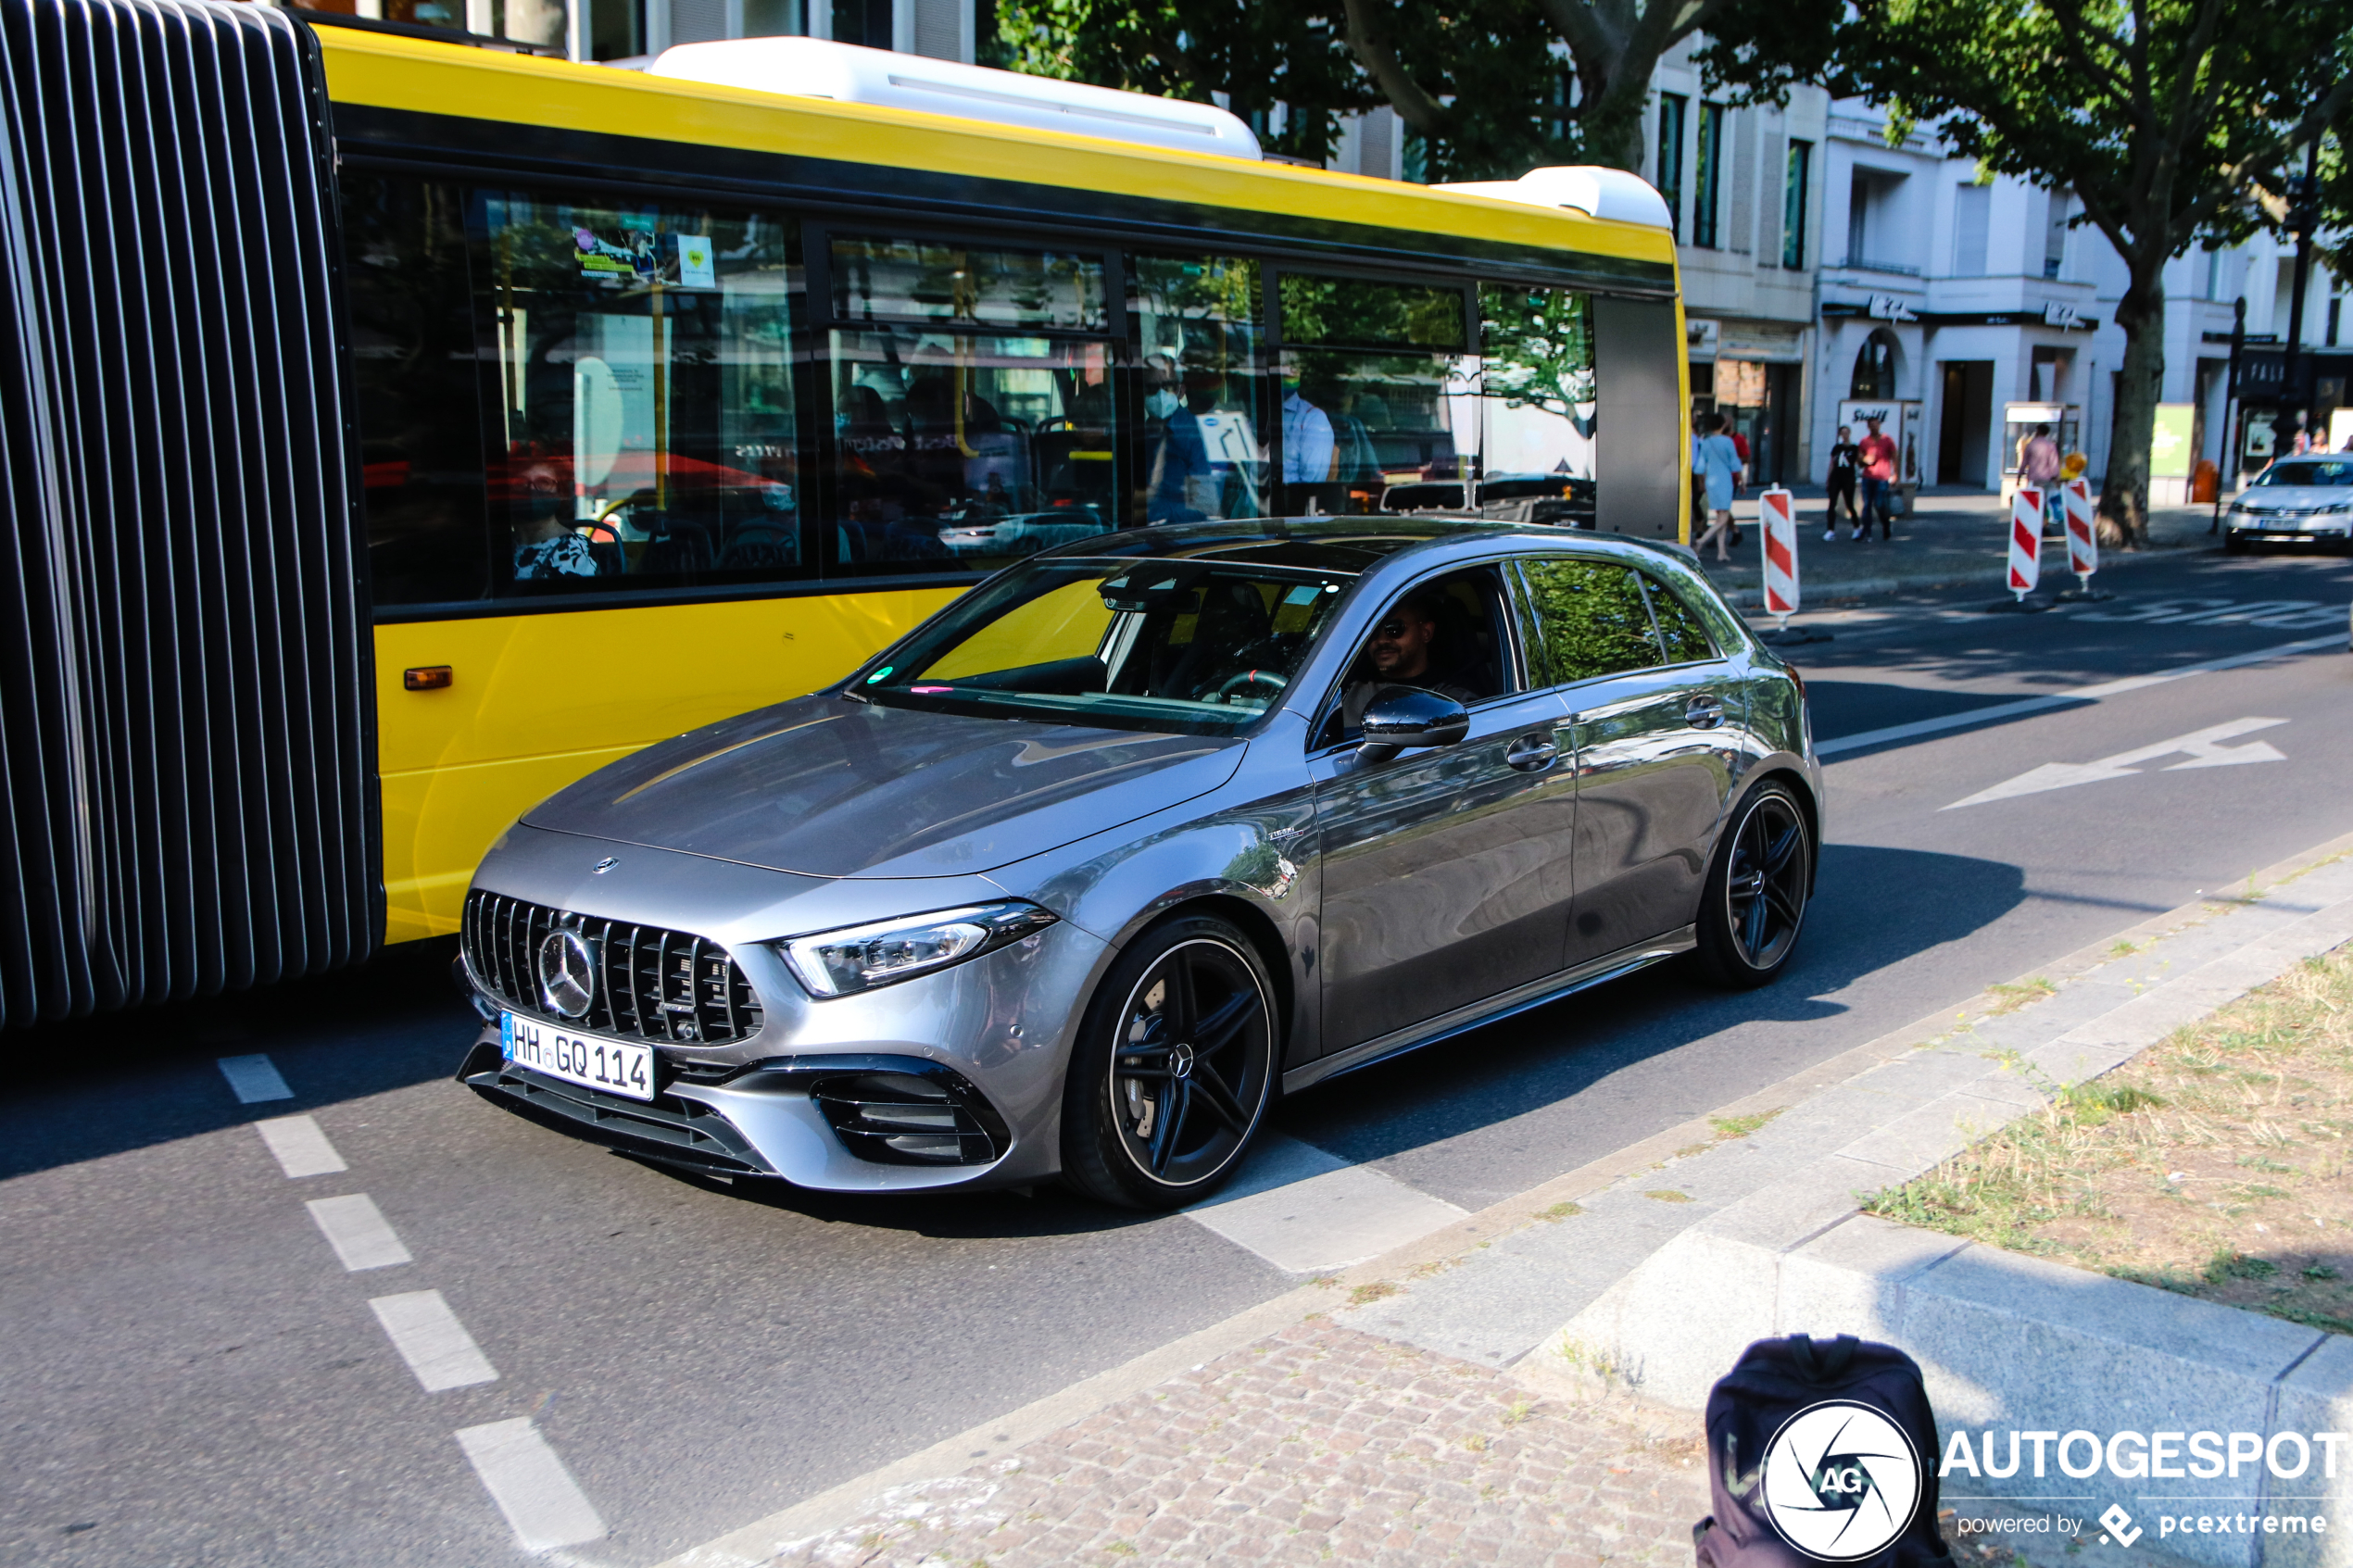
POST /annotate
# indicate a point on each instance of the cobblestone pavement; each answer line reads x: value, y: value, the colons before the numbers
x: 1318, y: 1444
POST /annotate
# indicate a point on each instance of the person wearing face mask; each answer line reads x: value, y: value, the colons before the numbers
x: 1186, y: 484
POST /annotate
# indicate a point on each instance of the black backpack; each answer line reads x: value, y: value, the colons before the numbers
x: 1777, y: 1380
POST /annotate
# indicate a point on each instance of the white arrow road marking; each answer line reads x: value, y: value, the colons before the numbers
x: 2204, y: 747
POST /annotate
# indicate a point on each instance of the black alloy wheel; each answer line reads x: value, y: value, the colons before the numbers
x: 1172, y: 1075
x: 1755, y: 900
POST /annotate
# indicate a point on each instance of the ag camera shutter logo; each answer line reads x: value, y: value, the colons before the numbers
x: 1841, y: 1482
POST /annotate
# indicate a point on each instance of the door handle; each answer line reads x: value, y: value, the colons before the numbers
x: 1532, y: 753
x: 1704, y: 713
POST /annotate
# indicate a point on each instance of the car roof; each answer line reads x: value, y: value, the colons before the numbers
x: 1375, y: 537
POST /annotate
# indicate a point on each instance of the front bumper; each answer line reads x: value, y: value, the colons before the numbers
x: 972, y: 1054
x: 2328, y: 528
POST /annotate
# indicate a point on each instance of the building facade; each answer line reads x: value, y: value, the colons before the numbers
x: 629, y: 30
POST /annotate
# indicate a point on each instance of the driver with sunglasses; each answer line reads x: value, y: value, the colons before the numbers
x: 1399, y: 654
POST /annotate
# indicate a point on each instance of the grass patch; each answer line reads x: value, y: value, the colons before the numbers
x: 1669, y: 1195
x: 2010, y: 999
x: 1729, y: 1127
x: 1380, y: 1289
x: 2213, y: 1164
x: 1559, y: 1211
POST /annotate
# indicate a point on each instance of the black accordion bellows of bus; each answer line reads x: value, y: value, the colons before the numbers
x: 186, y: 730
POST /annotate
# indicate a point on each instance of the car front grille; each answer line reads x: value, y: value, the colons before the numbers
x: 652, y: 983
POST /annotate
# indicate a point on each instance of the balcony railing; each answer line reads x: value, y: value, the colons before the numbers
x: 1873, y: 264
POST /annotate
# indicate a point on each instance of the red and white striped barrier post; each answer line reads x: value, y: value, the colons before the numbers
x: 1777, y: 533
x: 2082, y: 540
x: 2026, y: 541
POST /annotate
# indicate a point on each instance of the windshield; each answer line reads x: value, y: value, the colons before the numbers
x: 1190, y: 645
x: 2334, y: 471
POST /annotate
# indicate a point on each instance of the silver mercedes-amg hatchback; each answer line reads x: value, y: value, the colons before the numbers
x: 1075, y: 877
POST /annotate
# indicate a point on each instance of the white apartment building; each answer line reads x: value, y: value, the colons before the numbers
x: 1959, y: 296
x: 1746, y: 186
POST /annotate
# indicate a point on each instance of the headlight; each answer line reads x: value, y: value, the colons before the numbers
x: 2332, y: 508
x: 859, y: 958
x: 2237, y: 507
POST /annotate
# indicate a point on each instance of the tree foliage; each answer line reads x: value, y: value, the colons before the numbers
x: 1491, y: 87
x: 2164, y: 118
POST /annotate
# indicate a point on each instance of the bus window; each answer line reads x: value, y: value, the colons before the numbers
x: 955, y: 445
x: 1198, y: 338
x: 1535, y: 413
x: 1376, y: 389
x: 638, y: 394
x: 413, y: 349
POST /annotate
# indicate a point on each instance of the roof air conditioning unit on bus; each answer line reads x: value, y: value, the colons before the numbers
x: 1594, y: 191
x: 816, y: 67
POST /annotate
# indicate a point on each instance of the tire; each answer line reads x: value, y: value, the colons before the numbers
x: 1173, y: 1067
x: 1755, y: 904
x: 2233, y: 544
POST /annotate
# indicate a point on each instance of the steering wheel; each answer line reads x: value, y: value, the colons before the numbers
x: 1273, y: 680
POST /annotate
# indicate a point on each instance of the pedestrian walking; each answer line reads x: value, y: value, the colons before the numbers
x: 1878, y: 454
x: 1844, y: 459
x: 2038, y: 465
x: 1718, y: 463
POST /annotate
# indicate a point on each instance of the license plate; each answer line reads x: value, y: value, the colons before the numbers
x: 615, y: 1066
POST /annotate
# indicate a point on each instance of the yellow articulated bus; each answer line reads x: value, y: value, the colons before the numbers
x: 626, y: 400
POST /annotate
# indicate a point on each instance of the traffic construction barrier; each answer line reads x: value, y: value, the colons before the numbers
x: 2082, y: 540
x: 1776, y: 530
x: 2026, y: 540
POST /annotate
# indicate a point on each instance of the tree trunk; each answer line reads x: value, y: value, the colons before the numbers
x: 2124, y: 496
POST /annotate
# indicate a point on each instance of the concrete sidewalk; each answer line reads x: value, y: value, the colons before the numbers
x: 1951, y: 537
x: 1518, y: 1387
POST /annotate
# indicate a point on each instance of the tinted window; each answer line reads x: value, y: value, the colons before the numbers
x: 887, y: 279
x: 955, y: 450
x: 1679, y: 629
x: 1360, y: 313
x: 636, y: 395
x: 1200, y: 342
x: 414, y: 353
x: 2324, y: 473
x: 1536, y: 396
x: 1589, y: 620
x: 1189, y: 646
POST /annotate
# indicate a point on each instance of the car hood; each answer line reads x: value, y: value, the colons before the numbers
x: 2271, y: 497
x: 828, y: 787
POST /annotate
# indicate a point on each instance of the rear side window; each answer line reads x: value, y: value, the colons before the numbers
x: 1679, y: 628
x: 1590, y: 618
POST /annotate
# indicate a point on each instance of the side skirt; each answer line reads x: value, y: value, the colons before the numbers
x: 1536, y: 994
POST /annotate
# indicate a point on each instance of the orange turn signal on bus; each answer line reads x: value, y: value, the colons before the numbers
x: 426, y: 677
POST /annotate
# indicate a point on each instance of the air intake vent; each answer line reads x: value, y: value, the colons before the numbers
x: 900, y: 1118
x: 651, y: 984
x: 187, y: 748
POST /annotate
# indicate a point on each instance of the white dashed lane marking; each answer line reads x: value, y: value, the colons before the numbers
x: 530, y: 1485
x: 253, y: 1078
x: 357, y: 1229
x: 300, y: 1145
x: 1306, y: 1210
x: 432, y: 1340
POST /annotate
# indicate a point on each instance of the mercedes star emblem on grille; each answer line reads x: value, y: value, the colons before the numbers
x: 567, y: 972
x: 601, y: 867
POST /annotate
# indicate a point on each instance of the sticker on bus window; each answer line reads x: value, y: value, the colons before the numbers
x: 602, y: 259
x: 697, y: 267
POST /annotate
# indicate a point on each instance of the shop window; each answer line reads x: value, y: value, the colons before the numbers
x: 636, y: 394
x: 1200, y: 342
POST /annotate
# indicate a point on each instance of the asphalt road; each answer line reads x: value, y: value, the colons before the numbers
x: 190, y: 1375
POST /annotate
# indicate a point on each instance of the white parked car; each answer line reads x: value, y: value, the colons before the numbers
x: 2304, y: 500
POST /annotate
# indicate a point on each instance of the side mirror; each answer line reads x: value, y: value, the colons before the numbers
x: 1404, y: 717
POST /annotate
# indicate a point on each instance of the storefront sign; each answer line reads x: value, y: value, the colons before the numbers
x: 1770, y: 341
x: 1888, y: 307
x: 2064, y: 317
x: 2169, y: 443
